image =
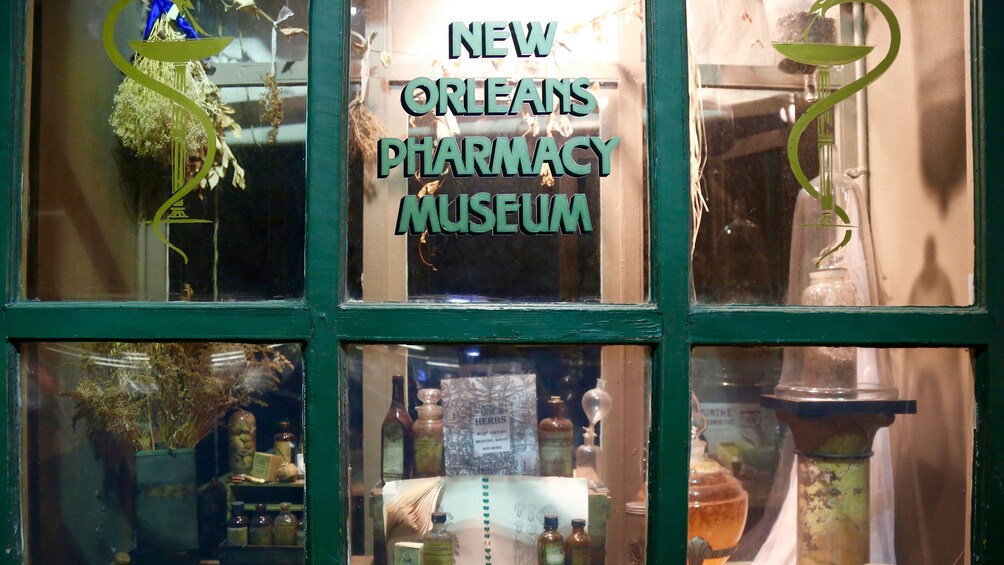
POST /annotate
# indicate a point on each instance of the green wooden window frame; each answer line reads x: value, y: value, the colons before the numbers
x: 671, y: 325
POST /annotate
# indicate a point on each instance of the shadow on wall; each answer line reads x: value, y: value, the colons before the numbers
x: 940, y: 61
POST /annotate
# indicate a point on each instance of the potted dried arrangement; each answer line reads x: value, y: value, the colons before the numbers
x: 162, y: 399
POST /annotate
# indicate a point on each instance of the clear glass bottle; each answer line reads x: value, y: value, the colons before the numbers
x: 260, y: 529
x: 437, y: 545
x: 555, y: 441
x: 427, y: 432
x: 578, y: 546
x: 396, y: 445
x: 717, y: 502
x: 237, y: 525
x: 242, y: 431
x: 588, y: 459
x: 301, y: 530
x: 550, y: 543
x: 284, y: 526
x: 285, y: 442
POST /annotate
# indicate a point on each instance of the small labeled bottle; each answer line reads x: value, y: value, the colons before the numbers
x: 555, y: 440
x: 550, y: 544
x: 396, y: 445
x: 578, y: 545
x: 260, y: 529
x: 437, y: 545
x: 428, y: 434
x: 301, y: 531
x: 284, y: 526
x: 285, y: 442
x: 237, y: 525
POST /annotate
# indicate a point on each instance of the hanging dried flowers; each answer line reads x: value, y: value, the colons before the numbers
x: 142, y: 118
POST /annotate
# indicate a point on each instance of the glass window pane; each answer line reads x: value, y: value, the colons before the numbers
x: 502, y: 427
x: 812, y: 482
x: 441, y: 205
x: 122, y: 202
x: 895, y: 204
x: 143, y: 450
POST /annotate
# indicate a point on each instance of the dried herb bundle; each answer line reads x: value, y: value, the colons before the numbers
x: 142, y: 118
x: 170, y: 395
x: 271, y: 106
x: 365, y: 130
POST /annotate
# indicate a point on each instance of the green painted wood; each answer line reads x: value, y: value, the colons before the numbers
x: 279, y: 321
x: 718, y: 325
x: 988, y: 124
x: 327, y: 486
x: 403, y: 323
x: 669, y: 186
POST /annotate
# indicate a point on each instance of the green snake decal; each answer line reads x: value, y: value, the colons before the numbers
x: 177, y: 52
x: 825, y: 56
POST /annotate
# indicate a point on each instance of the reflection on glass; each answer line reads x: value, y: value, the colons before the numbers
x: 913, y: 497
x: 764, y: 67
x: 167, y: 154
x: 128, y: 448
x: 442, y: 207
x: 497, y: 405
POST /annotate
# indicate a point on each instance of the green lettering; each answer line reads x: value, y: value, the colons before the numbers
x: 494, y: 32
x: 386, y: 162
x: 449, y: 226
x: 448, y: 153
x: 481, y: 207
x: 526, y: 213
x: 477, y: 151
x: 413, y: 106
x: 505, y: 204
x: 572, y: 167
x: 603, y: 149
x: 511, y: 157
x: 495, y: 87
x: 580, y: 92
x: 547, y: 151
x: 464, y: 36
x: 526, y: 92
x: 416, y: 215
x: 568, y: 219
x: 537, y: 41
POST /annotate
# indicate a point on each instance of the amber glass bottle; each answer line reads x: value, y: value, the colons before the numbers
x: 237, y: 525
x: 555, y: 440
x: 285, y: 442
x: 428, y: 434
x: 397, y: 447
x: 550, y: 544
x: 578, y: 545
x: 260, y: 528
x: 285, y: 526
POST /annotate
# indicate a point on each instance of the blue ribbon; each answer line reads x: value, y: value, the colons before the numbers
x: 159, y: 7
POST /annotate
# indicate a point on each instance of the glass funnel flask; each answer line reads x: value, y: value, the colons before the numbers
x: 596, y: 403
x: 717, y: 503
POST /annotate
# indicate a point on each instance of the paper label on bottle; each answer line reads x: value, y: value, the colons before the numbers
x: 393, y: 452
x: 554, y: 554
x: 237, y: 536
x: 260, y: 536
x: 580, y: 556
x: 555, y: 454
x: 492, y: 433
x: 437, y: 552
x: 428, y: 456
x: 284, y: 450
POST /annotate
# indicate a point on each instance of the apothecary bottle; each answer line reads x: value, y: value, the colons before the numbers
x: 285, y: 442
x: 397, y: 447
x: 578, y: 546
x: 237, y: 525
x: 588, y: 459
x: 284, y: 526
x: 427, y: 432
x: 437, y: 545
x: 242, y: 431
x: 301, y: 530
x: 554, y: 436
x: 550, y: 543
x: 260, y: 529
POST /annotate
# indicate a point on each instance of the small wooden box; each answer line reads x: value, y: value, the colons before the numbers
x: 265, y: 466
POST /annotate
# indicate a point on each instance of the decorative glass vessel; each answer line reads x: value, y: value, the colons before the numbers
x: 596, y: 403
x: 242, y: 431
x: 717, y: 503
